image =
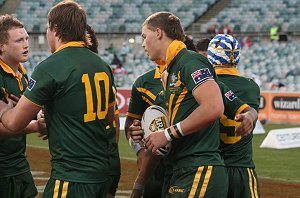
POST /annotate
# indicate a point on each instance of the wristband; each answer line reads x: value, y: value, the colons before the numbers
x: 178, y: 129
x: 167, y: 135
x: 135, y: 146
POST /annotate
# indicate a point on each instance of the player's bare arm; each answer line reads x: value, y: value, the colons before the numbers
x: 211, y: 109
x: 248, y: 119
x: 134, y: 132
x: 149, y: 165
x: 17, y: 118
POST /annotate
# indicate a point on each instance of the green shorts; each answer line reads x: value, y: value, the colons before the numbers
x: 202, y: 181
x: 243, y: 182
x: 114, y: 184
x: 18, y: 186
x: 60, y: 188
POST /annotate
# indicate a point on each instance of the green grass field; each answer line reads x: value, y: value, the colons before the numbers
x: 273, y: 164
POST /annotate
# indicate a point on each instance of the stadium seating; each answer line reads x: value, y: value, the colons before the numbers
x: 115, y: 15
x: 275, y: 65
x: 259, y: 15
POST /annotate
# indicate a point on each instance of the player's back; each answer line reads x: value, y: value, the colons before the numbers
x: 75, y: 86
x: 237, y: 151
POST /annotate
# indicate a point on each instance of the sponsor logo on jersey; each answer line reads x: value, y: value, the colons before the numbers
x: 230, y: 95
x: 201, y: 75
x: 175, y: 189
x: 286, y: 103
x: 31, y: 84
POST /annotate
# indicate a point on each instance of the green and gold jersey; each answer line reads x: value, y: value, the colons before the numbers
x: 12, y: 150
x: 186, y: 71
x: 114, y: 157
x: 144, y: 93
x: 237, y: 151
x: 75, y: 87
x: 147, y: 90
x: 232, y: 104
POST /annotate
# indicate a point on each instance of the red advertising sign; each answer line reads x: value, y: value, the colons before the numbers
x: 123, y: 98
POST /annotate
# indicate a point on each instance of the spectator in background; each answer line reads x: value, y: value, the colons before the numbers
x: 247, y: 42
x: 274, y: 30
x: 225, y: 29
x: 111, y: 49
x: 124, y: 51
x: 213, y: 30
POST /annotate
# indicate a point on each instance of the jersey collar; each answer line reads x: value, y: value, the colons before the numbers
x: 9, y: 70
x: 227, y: 71
x: 70, y: 44
x: 174, y: 48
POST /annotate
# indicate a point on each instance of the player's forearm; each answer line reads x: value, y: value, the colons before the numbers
x: 5, y: 133
x: 149, y: 165
x: 201, y: 117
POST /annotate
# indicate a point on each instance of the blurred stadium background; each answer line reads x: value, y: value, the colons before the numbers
x: 275, y: 65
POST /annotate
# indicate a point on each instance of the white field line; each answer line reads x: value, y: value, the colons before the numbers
x: 280, y: 179
x: 46, y: 147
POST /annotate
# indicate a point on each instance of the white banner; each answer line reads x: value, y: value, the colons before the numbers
x: 282, y: 139
x: 259, y: 129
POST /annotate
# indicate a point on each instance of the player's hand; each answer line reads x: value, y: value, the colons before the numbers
x: 247, y: 120
x: 135, y: 131
x: 40, y: 114
x: 156, y: 140
x: 14, y: 99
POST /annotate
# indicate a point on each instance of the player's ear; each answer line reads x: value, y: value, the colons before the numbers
x: 159, y: 33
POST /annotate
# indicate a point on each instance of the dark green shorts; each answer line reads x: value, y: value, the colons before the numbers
x: 20, y: 186
x: 114, y: 184
x: 243, y: 182
x: 202, y: 181
x: 60, y: 188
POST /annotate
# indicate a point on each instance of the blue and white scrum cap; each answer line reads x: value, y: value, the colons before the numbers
x: 223, y: 49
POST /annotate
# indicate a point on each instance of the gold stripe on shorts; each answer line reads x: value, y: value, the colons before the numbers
x: 56, y: 188
x: 206, y: 180
x: 250, y: 183
x: 254, y: 183
x: 65, y: 189
x: 196, y: 181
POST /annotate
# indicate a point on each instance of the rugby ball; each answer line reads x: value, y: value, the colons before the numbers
x: 155, y: 118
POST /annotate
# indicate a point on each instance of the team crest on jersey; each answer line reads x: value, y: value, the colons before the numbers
x: 230, y: 95
x: 31, y: 84
x: 174, y: 79
x: 157, y: 124
x: 201, y: 75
